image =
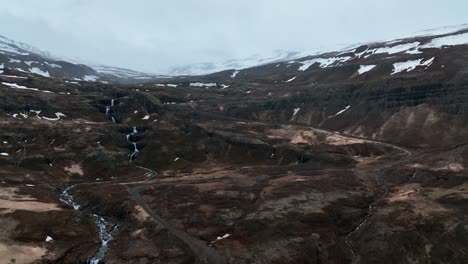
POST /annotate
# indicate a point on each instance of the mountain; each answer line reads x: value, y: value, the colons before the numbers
x: 210, y: 67
x: 280, y: 55
x: 25, y: 58
x: 352, y: 156
x: 394, y: 56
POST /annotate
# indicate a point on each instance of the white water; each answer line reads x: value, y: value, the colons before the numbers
x: 106, y: 235
x: 135, y: 148
x: 108, y: 111
x: 105, y: 231
x: 66, y: 198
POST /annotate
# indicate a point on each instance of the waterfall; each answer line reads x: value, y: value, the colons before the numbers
x: 108, y: 111
x: 135, y: 147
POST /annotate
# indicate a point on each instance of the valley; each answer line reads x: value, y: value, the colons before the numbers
x: 354, y: 156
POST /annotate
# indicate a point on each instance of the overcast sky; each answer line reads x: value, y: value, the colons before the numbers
x: 154, y: 35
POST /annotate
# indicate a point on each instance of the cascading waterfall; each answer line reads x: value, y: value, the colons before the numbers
x: 106, y: 235
x: 105, y: 231
x: 108, y: 111
x: 135, y: 147
x: 67, y: 199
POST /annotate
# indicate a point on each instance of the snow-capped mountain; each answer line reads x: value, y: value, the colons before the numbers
x: 211, y: 67
x: 22, y: 57
x: 126, y: 75
x: 25, y: 58
x: 281, y: 56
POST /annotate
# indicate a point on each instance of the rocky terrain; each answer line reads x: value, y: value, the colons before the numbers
x: 355, y: 156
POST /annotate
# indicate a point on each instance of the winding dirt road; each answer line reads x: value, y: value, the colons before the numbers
x: 208, y: 255
x: 204, y: 253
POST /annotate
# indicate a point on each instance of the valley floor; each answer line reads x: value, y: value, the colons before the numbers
x: 124, y: 176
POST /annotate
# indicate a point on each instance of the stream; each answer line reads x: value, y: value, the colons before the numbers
x: 370, y: 213
x: 105, y: 230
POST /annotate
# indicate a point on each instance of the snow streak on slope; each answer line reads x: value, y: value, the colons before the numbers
x: 324, y: 63
x: 411, y: 65
x: 365, y: 68
x: 452, y: 40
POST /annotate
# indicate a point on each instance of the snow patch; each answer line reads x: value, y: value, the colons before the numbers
x: 39, y: 71
x: 365, y: 68
x: 53, y: 65
x: 411, y: 65
x: 200, y: 84
x: 58, y: 116
x: 296, y: 110
x: 324, y: 63
x: 292, y: 79
x: 16, y: 86
x: 234, y: 74
x: 12, y: 76
x: 90, y: 78
x: 452, y: 40
x: 397, y: 48
x: 340, y: 112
